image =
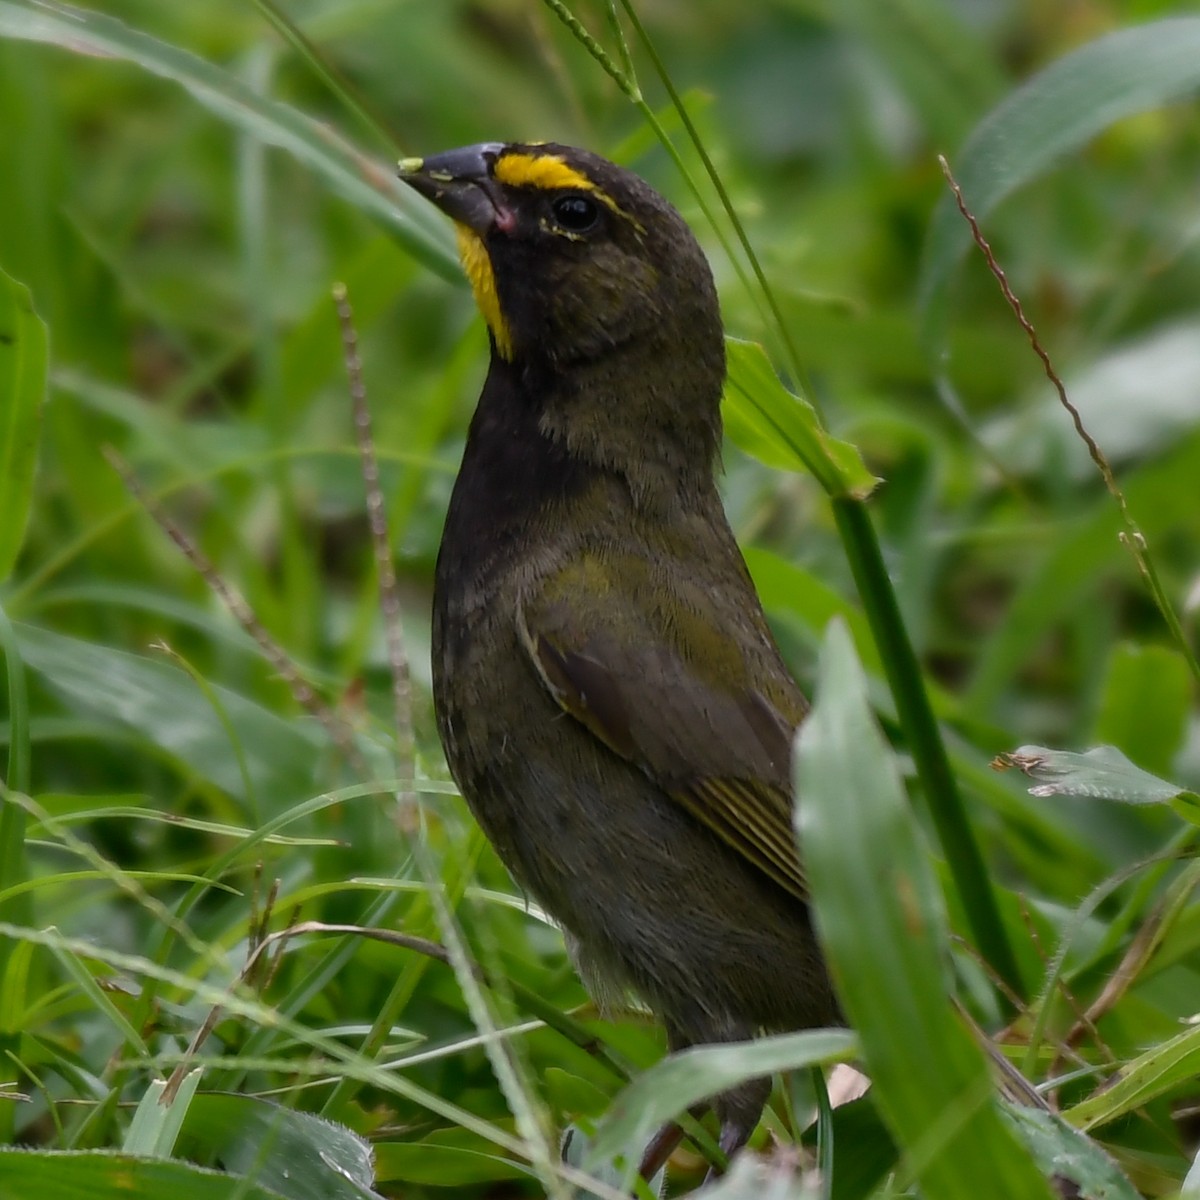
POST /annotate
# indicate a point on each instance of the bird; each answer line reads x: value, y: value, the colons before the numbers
x: 610, y: 699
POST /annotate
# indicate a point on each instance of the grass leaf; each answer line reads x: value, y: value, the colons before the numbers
x: 881, y: 920
x: 1056, y: 112
x: 367, y: 183
x: 24, y: 362
x: 782, y: 429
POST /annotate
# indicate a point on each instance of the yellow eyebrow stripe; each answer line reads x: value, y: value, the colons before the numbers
x: 547, y: 171
x: 550, y: 172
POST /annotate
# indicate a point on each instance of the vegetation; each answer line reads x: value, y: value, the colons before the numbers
x: 184, y: 185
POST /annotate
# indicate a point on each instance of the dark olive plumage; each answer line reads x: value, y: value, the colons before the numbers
x: 609, y: 696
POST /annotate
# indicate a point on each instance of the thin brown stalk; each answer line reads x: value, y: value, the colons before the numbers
x: 1142, y: 948
x: 1131, y: 536
x: 550, y: 1016
x: 302, y: 691
x: 528, y: 1118
x: 389, y: 593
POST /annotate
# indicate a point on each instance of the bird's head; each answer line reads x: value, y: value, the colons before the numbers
x: 594, y: 286
x: 569, y: 255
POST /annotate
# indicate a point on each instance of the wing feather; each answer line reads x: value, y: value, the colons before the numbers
x: 718, y: 746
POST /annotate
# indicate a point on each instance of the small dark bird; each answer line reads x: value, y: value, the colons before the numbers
x: 609, y: 696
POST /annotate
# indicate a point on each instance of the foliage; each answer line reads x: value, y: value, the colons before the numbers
x: 184, y: 185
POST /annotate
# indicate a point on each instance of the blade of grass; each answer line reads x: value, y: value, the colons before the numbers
x: 627, y: 82
x: 354, y: 101
x: 507, y: 1066
x: 938, y: 783
x: 18, y: 908
x: 879, y: 911
x: 240, y: 1004
x: 24, y: 360
x: 1131, y: 535
x: 767, y: 292
x: 663, y: 1091
x: 1055, y: 112
x: 366, y: 183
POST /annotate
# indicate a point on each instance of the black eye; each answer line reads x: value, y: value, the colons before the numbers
x: 576, y: 213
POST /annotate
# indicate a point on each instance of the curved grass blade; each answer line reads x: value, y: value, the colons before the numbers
x: 782, y: 429
x: 683, y: 1079
x: 24, y: 357
x: 1054, y: 113
x: 880, y: 916
x: 365, y: 182
x: 1160, y: 1069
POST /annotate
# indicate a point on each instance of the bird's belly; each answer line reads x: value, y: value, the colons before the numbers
x: 653, y: 899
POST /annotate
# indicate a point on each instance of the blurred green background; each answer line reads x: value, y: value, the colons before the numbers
x: 183, y: 267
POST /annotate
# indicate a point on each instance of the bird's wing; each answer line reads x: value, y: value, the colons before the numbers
x: 679, y: 696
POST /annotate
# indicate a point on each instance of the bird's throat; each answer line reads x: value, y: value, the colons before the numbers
x: 477, y: 264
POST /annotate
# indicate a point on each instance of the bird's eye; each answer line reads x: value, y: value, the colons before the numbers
x: 576, y: 213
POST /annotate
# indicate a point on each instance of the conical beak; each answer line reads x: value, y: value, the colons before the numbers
x: 459, y: 182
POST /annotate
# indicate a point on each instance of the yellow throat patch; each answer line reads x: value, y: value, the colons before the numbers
x: 478, y: 267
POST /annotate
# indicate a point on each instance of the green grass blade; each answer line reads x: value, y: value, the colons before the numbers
x: 155, y: 1125
x: 782, y: 429
x: 664, y: 1091
x: 1055, y: 112
x: 1149, y: 1075
x: 334, y: 80
x: 938, y: 782
x: 365, y: 182
x: 880, y: 916
x: 14, y: 871
x: 24, y: 359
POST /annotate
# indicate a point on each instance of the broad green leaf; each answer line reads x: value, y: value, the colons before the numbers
x: 783, y: 430
x: 681, y: 1080
x: 1057, y: 111
x: 105, y: 1175
x: 1103, y: 772
x: 160, y: 703
x: 24, y: 355
x: 880, y: 916
x: 301, y: 1156
x: 573, y: 1094
x: 1065, y: 1154
x: 365, y: 182
x: 1140, y: 1081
